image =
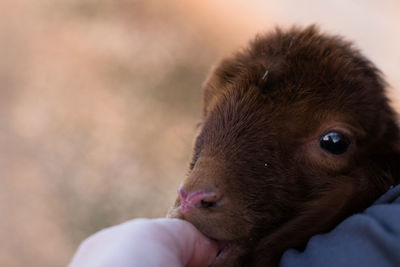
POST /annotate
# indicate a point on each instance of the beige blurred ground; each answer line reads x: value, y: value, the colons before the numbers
x: 99, y: 102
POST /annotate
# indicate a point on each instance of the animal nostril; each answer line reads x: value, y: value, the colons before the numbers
x: 199, y: 199
x: 207, y: 204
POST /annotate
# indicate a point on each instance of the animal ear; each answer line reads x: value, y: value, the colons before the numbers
x: 222, y: 76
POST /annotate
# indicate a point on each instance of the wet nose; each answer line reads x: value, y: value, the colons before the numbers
x: 200, y: 199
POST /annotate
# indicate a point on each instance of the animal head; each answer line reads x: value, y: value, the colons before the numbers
x: 297, y: 134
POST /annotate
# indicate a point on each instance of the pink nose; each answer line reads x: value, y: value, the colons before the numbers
x: 198, y: 199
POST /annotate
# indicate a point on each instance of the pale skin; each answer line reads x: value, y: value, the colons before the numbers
x: 147, y: 242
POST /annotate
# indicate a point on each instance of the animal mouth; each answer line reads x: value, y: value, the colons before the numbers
x: 226, y: 249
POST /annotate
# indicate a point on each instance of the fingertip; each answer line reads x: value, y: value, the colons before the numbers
x: 195, y: 249
x: 204, y: 252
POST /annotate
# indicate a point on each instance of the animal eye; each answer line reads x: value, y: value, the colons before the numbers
x: 334, y: 143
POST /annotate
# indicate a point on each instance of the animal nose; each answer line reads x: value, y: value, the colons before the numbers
x: 200, y: 199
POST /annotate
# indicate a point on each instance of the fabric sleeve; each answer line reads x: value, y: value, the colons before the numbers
x: 371, y: 238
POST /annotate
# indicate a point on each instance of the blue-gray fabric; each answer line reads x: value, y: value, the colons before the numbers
x: 371, y: 238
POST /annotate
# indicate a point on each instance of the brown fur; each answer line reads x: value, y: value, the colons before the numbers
x: 259, y: 144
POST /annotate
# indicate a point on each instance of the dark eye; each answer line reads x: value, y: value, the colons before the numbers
x: 334, y: 143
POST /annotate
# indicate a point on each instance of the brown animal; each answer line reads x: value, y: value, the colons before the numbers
x: 297, y: 134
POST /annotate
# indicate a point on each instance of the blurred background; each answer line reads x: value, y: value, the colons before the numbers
x: 99, y: 101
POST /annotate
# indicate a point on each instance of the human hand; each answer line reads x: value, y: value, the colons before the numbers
x: 146, y: 243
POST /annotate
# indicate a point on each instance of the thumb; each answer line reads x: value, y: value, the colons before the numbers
x: 203, y: 253
x: 195, y: 249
